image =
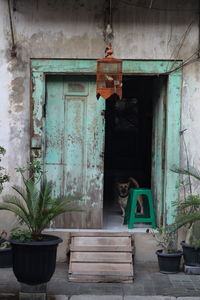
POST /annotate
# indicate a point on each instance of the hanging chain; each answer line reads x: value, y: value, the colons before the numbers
x: 108, y: 34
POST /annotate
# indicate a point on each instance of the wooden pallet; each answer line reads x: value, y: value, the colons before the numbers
x: 101, y: 257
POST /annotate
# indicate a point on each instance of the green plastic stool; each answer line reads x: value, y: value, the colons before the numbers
x: 130, y: 212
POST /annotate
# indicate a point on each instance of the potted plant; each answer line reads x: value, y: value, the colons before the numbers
x: 5, y: 247
x: 188, y: 216
x: 34, y: 253
x: 168, y: 256
x: 5, y: 251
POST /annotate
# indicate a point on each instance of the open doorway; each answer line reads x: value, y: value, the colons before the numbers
x: 128, y: 142
x: 165, y: 130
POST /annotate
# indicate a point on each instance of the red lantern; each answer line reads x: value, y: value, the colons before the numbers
x: 109, y: 76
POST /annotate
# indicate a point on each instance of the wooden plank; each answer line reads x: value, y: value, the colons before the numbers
x: 158, y: 144
x: 38, y: 95
x: 101, y: 244
x: 99, y: 234
x: 92, y: 278
x: 101, y: 258
x: 88, y: 66
x: 54, y: 122
x: 124, y: 269
x: 101, y: 248
x: 172, y: 151
x: 100, y: 241
x: 118, y: 257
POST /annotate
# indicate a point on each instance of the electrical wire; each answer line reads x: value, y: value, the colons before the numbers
x: 187, y: 159
x: 11, y: 24
x: 179, y: 46
x: 188, y: 61
x: 199, y: 25
x: 108, y: 31
x: 156, y: 8
x: 151, y: 3
x: 110, y: 13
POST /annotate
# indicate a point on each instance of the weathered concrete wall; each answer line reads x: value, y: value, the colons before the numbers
x: 74, y: 29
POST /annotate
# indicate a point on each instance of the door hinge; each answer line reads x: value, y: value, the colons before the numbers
x: 103, y: 113
x: 102, y: 155
x: 163, y: 164
x: 44, y: 111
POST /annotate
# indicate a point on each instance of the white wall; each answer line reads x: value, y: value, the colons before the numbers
x: 74, y: 29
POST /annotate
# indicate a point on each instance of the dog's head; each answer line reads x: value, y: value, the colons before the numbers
x: 123, y: 188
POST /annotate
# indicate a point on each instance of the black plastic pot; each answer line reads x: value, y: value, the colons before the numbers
x: 34, y: 262
x: 169, y: 263
x: 6, y: 257
x: 191, y: 255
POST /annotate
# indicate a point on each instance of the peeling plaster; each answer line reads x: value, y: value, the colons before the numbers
x: 16, y: 64
x: 74, y: 29
x: 16, y: 95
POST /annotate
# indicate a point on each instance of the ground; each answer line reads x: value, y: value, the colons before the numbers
x: 148, y: 282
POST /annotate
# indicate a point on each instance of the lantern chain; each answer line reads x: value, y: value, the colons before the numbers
x: 108, y: 32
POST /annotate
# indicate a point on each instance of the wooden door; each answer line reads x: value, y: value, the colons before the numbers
x: 158, y: 146
x: 74, y: 146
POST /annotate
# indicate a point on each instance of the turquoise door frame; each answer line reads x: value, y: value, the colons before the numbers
x: 40, y: 68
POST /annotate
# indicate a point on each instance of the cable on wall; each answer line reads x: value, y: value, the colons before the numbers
x: 13, y: 51
x: 108, y: 31
x: 199, y: 30
x: 180, y: 44
x: 151, y: 7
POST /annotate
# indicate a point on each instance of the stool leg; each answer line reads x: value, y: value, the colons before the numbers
x: 128, y: 209
x: 151, y: 208
x: 127, y: 212
x: 134, y: 196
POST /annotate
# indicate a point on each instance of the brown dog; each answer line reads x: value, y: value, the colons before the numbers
x: 123, y: 191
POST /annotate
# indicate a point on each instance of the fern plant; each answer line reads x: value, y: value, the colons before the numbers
x: 188, y: 210
x: 35, y: 207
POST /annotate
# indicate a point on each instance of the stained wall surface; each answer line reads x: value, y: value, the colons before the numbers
x: 74, y: 29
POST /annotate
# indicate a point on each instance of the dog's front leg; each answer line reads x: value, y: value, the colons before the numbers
x: 123, y: 211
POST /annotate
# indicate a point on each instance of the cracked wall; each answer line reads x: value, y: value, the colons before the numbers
x: 74, y: 29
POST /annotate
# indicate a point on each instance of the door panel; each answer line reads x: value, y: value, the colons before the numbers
x: 74, y: 110
x: 54, y: 123
x: 74, y: 144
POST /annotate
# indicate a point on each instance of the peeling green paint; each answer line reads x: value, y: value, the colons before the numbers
x: 172, y: 144
x: 172, y: 155
x: 88, y: 66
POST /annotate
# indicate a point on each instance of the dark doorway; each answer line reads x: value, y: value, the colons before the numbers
x: 128, y: 139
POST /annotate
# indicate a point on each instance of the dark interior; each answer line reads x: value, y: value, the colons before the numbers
x: 128, y: 137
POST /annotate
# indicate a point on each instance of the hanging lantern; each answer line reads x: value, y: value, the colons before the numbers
x: 109, y: 76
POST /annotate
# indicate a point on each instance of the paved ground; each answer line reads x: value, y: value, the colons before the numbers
x: 148, y: 284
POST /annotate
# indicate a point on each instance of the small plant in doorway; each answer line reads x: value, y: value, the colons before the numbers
x: 34, y: 253
x: 188, y: 215
x: 168, y: 256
